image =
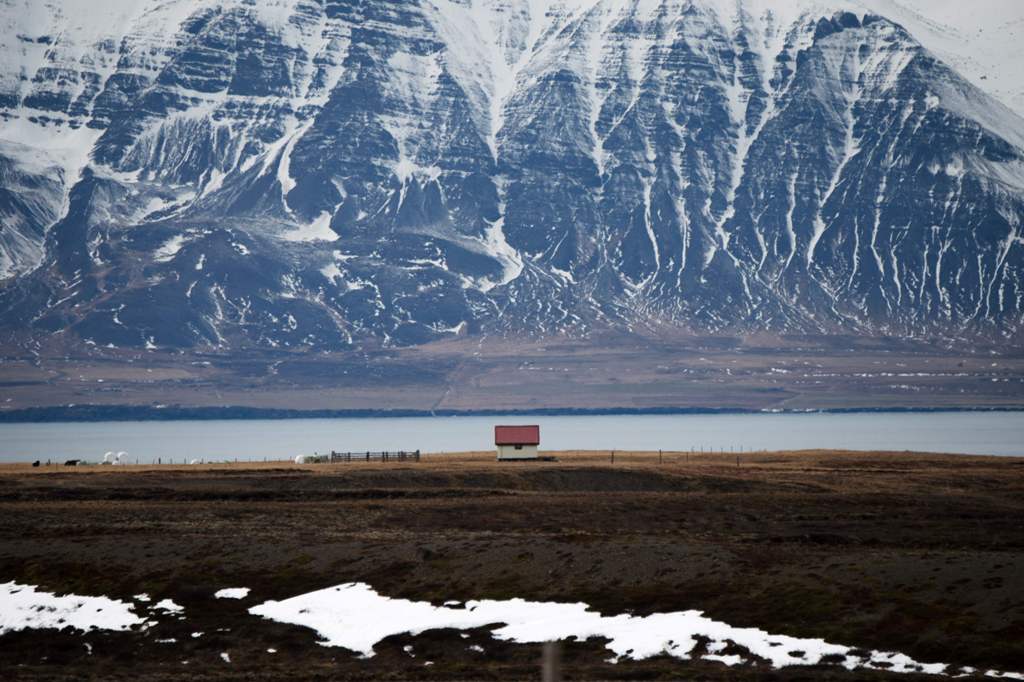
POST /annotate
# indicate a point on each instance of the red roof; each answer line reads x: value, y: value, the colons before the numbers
x: 517, y: 435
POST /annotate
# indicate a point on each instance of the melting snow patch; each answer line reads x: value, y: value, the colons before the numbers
x: 22, y: 607
x: 169, y: 249
x: 317, y: 231
x: 730, y: 660
x: 232, y: 593
x: 224, y: 657
x: 141, y: 597
x: 332, y: 272
x: 169, y: 606
x: 356, y: 617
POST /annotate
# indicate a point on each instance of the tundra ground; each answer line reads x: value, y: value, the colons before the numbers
x: 916, y: 553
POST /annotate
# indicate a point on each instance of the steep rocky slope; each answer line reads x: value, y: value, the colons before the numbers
x: 329, y: 173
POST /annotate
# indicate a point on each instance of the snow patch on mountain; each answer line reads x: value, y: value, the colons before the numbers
x: 542, y: 166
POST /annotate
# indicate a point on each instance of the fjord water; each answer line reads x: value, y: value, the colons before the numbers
x: 981, y: 433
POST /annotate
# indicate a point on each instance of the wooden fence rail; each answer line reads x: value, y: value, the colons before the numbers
x: 383, y: 456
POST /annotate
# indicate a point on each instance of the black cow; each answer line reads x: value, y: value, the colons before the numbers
x: 72, y: 462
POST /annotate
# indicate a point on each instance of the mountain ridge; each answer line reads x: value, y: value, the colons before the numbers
x: 327, y: 175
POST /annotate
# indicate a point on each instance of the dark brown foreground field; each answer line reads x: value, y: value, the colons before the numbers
x: 915, y: 553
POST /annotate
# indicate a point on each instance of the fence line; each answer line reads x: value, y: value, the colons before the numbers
x: 369, y: 456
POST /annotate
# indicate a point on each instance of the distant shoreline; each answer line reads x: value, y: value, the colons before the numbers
x: 127, y: 413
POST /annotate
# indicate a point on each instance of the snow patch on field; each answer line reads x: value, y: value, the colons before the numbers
x: 356, y: 617
x: 232, y: 593
x: 23, y: 607
x: 169, y: 606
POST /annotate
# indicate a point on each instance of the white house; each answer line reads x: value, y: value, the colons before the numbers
x: 517, y: 442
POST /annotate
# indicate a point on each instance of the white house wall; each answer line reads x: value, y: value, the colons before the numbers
x: 510, y: 452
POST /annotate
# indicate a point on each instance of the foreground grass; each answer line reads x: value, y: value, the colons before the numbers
x: 914, y: 552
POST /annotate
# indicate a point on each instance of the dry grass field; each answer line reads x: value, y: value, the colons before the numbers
x: 922, y: 554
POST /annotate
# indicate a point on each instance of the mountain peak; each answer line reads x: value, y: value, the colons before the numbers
x: 332, y: 174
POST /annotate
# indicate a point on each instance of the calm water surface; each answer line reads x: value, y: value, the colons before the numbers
x: 990, y: 433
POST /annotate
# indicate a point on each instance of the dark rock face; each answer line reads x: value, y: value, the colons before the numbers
x: 334, y: 172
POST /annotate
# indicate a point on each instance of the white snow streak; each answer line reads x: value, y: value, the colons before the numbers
x: 356, y: 617
x: 23, y: 607
x: 317, y: 231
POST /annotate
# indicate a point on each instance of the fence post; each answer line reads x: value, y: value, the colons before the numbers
x: 550, y: 663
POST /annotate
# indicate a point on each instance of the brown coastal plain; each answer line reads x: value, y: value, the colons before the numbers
x: 922, y: 554
x: 466, y: 374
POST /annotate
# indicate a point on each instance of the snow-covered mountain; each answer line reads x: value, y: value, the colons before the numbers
x: 323, y: 173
